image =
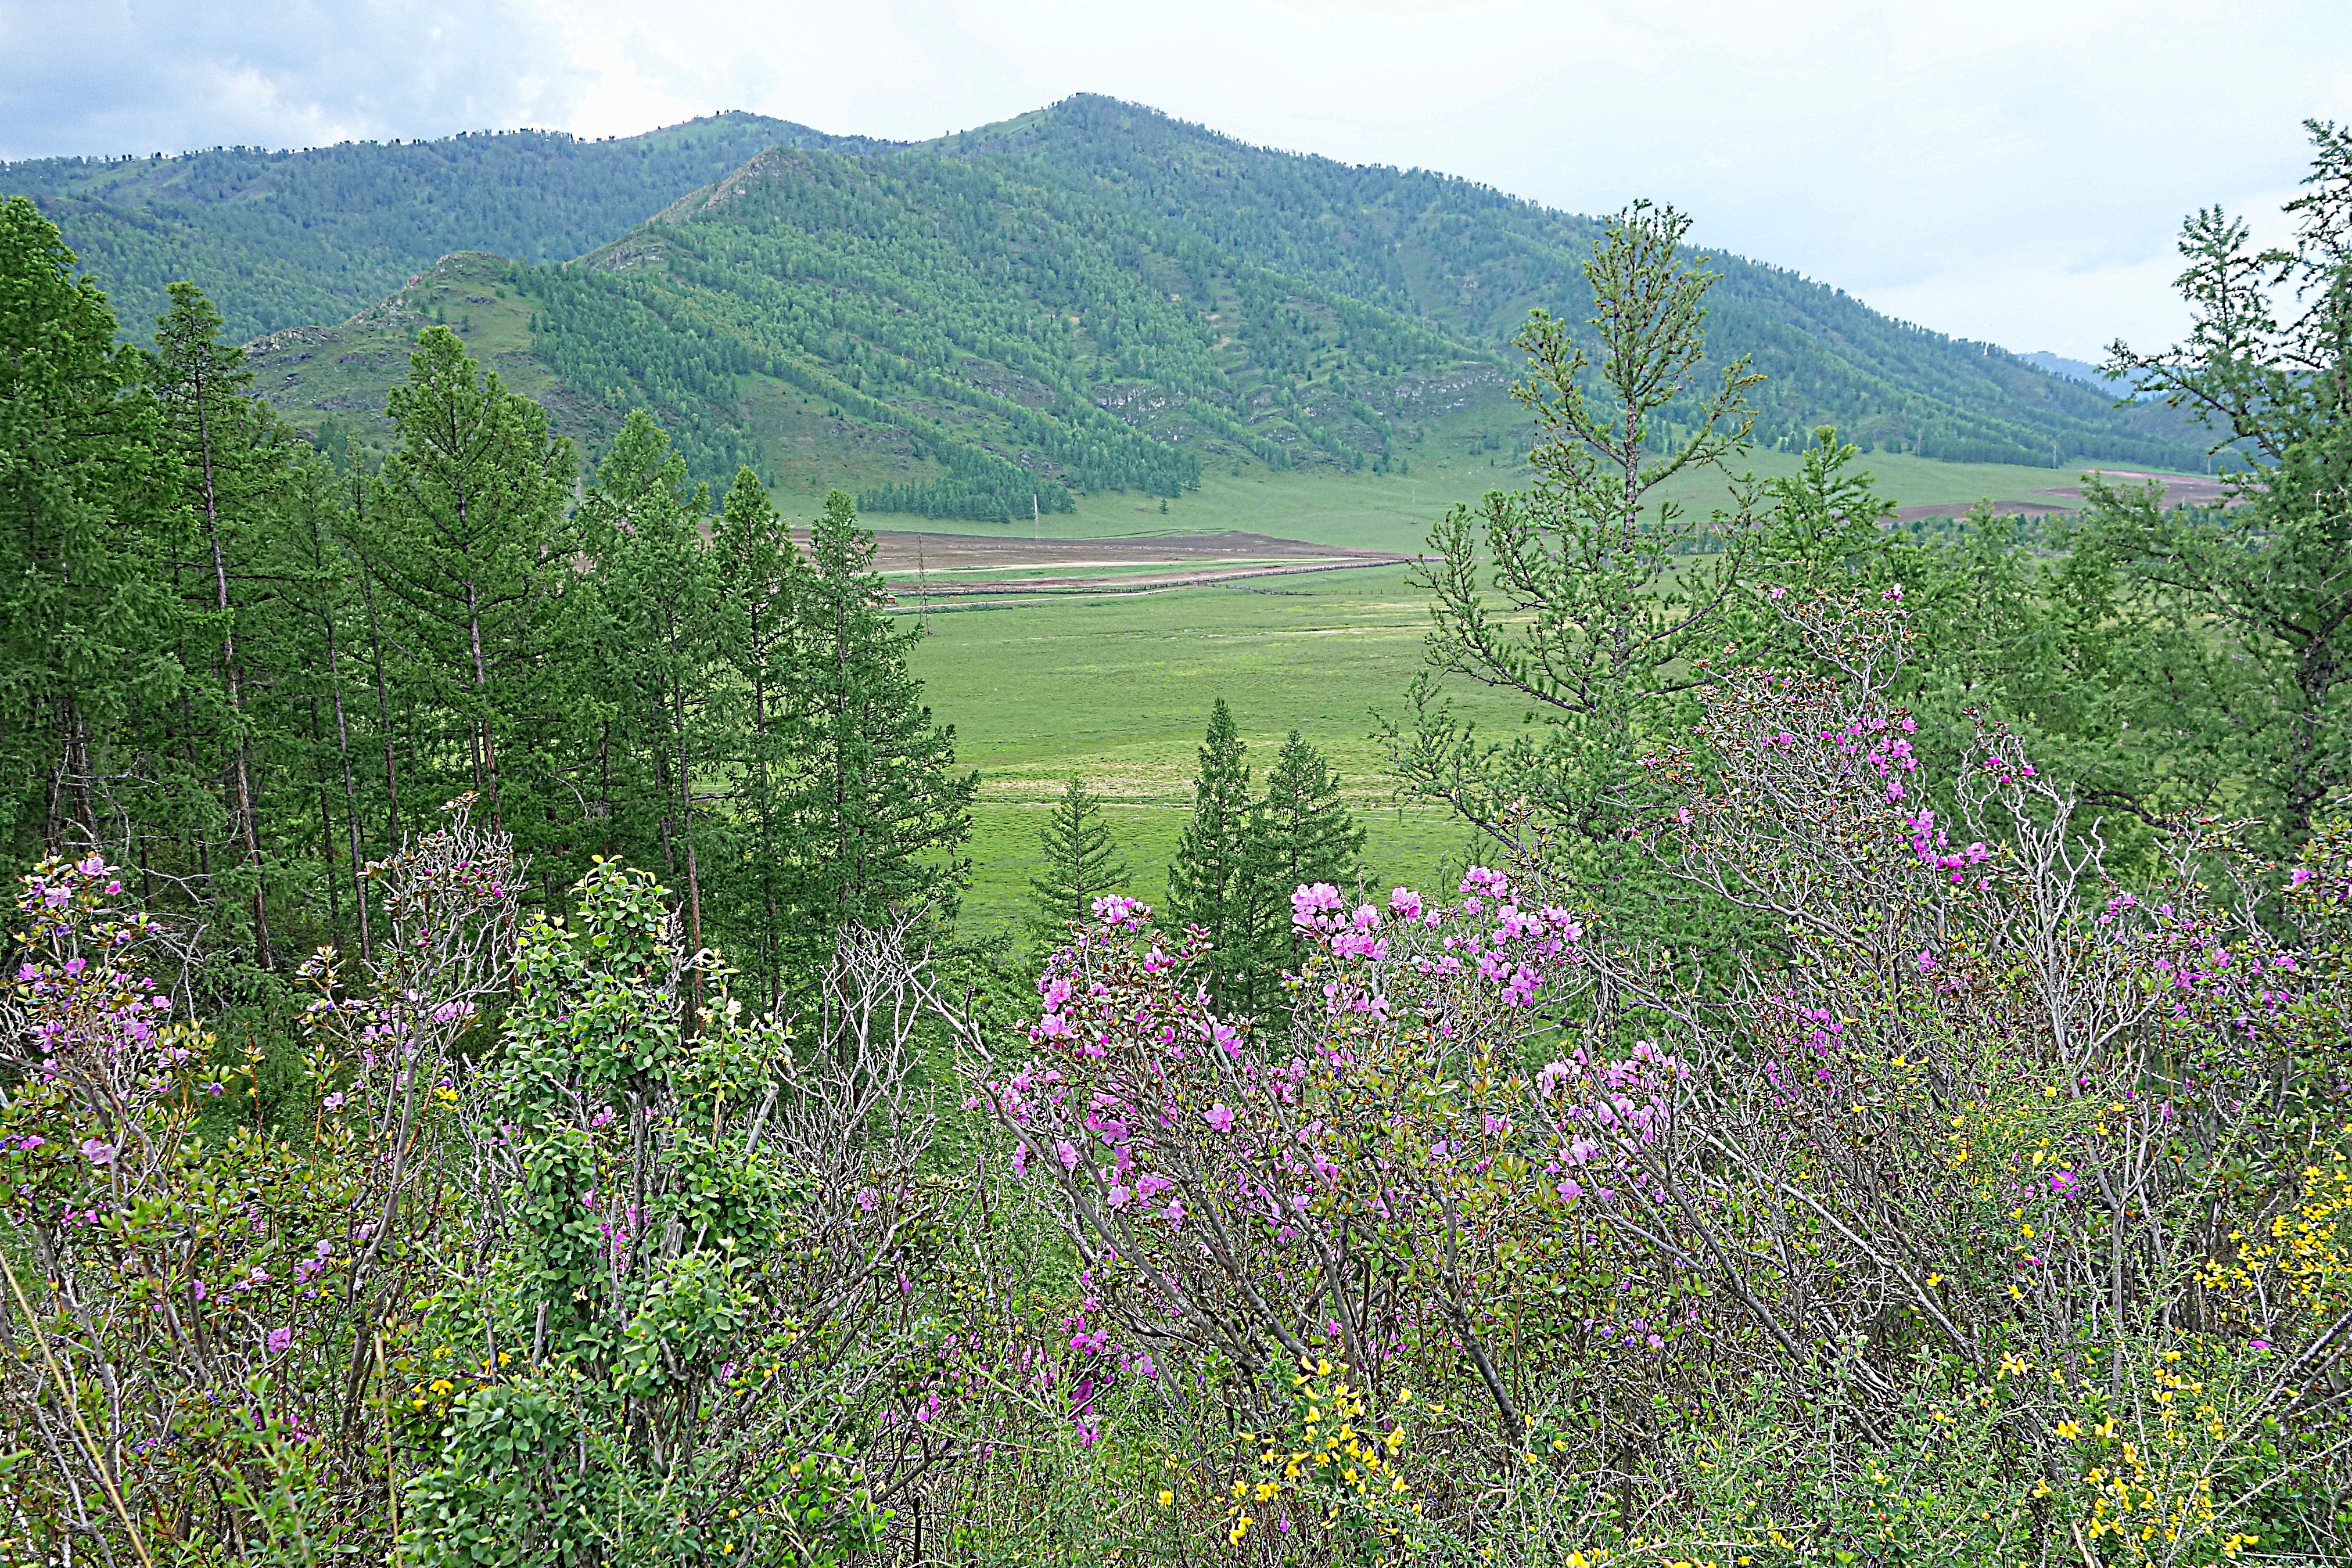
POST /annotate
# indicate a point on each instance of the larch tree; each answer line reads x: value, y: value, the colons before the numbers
x: 659, y: 602
x: 1582, y: 597
x: 228, y: 460
x: 762, y: 578
x: 88, y: 622
x: 465, y: 538
x: 2243, y: 611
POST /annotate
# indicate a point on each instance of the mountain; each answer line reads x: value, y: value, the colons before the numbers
x: 954, y: 335
x: 1094, y: 296
x: 1473, y: 261
x: 282, y: 239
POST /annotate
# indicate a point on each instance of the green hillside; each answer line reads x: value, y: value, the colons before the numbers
x: 963, y: 341
x: 282, y: 239
x: 1472, y: 261
x: 1093, y: 299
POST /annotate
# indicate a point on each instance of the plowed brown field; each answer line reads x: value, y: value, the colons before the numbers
x: 956, y: 565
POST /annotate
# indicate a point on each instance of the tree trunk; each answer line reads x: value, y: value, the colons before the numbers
x: 249, y: 829
x: 351, y: 789
x: 482, y: 694
x: 383, y: 719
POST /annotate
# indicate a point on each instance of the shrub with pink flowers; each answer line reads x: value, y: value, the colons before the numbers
x: 2011, y: 1199
x: 197, y: 1318
x: 1983, y: 1206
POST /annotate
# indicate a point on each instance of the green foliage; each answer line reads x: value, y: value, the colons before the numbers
x: 1019, y: 340
x: 1469, y: 262
x: 1302, y: 834
x: 2237, y: 615
x: 2040, y: 1255
x: 1210, y: 883
x: 690, y: 1307
x: 873, y: 811
x: 87, y: 619
x: 1600, y: 618
x: 1081, y: 864
x: 466, y: 535
x: 763, y: 580
x: 659, y: 610
x: 1241, y: 857
x: 284, y: 238
x: 229, y: 461
x: 1092, y: 298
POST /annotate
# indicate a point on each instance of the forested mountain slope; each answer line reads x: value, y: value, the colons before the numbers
x: 1091, y: 297
x: 972, y: 342
x: 1473, y: 261
x: 282, y: 239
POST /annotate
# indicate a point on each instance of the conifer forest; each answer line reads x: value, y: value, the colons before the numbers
x: 502, y: 1061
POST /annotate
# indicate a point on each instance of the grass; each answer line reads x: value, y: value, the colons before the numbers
x: 1116, y: 685
x: 1120, y: 688
x: 1394, y: 511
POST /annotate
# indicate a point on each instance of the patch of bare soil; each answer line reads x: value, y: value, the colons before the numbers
x: 953, y: 566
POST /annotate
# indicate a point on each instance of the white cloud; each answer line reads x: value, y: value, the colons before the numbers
x: 110, y: 77
x: 2013, y: 169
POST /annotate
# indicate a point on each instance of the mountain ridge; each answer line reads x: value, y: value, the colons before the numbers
x: 307, y: 236
x: 1090, y: 294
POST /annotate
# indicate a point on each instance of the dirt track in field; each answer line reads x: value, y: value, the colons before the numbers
x: 959, y: 565
x: 2178, y: 492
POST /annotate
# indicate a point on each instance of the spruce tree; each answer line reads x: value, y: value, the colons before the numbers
x: 1210, y: 883
x: 465, y: 538
x: 877, y: 811
x: 1302, y: 834
x: 1081, y: 863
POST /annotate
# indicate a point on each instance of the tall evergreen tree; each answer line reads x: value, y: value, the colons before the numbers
x: 763, y: 578
x: 877, y: 811
x: 1210, y: 883
x: 227, y: 458
x: 88, y: 621
x: 1081, y: 863
x: 1302, y: 834
x: 1582, y: 597
x: 322, y: 662
x: 465, y: 537
x: 2242, y: 615
x: 660, y: 606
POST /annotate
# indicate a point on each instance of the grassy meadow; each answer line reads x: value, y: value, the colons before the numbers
x: 1392, y: 511
x: 1119, y: 686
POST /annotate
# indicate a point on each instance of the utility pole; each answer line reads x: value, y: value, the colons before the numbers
x: 1036, y: 520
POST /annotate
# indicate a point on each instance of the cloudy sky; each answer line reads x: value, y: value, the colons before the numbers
x: 2010, y: 170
